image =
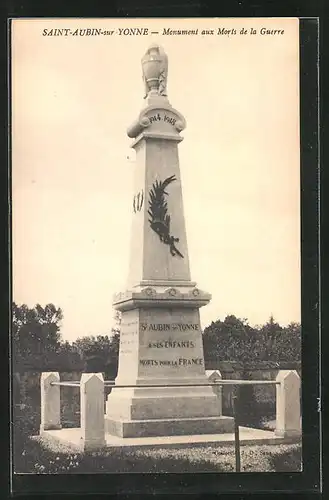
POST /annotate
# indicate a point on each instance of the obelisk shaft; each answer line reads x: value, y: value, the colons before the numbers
x: 158, y: 256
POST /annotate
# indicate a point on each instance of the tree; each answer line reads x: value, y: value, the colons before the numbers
x: 68, y: 358
x: 100, y: 353
x: 269, y: 335
x: 247, y: 407
x: 35, y: 333
x: 230, y: 340
x: 288, y: 344
x: 235, y: 340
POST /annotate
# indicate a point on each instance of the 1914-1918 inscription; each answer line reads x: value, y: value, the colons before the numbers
x: 159, y: 117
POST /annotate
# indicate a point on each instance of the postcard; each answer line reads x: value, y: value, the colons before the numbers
x: 156, y: 242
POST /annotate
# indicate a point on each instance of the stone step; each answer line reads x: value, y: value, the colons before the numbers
x: 169, y: 427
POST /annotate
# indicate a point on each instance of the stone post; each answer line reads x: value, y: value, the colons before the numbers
x: 92, y: 411
x: 214, y: 376
x: 50, y: 402
x: 288, y: 416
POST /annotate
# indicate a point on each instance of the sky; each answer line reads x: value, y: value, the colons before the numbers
x: 73, y: 98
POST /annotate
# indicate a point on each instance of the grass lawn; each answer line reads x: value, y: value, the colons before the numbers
x: 38, y: 457
x: 33, y: 456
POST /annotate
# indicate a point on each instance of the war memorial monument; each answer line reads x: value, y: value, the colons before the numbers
x: 162, y: 389
x: 161, y: 340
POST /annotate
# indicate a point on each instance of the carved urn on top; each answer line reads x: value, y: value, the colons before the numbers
x: 155, y: 69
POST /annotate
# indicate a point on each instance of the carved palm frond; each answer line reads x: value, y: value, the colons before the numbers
x: 158, y: 211
x: 158, y: 207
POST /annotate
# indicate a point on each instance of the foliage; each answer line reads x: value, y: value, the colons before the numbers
x: 70, y: 407
x: 68, y: 358
x: 235, y: 340
x: 247, y: 407
x: 35, y: 333
x: 287, y: 460
x: 99, y: 353
x: 39, y: 456
x: 244, y: 348
x: 37, y: 343
x: 26, y: 419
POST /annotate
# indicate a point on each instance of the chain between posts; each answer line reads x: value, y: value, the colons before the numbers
x: 112, y: 383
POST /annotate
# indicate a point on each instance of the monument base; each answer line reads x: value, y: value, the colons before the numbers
x: 167, y: 411
x: 161, y: 388
x: 169, y: 427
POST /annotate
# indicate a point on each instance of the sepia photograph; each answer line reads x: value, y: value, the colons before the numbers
x: 156, y: 246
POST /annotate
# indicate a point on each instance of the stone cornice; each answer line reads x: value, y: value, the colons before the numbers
x: 171, y: 297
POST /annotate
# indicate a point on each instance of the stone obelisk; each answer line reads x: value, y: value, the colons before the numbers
x: 160, y: 341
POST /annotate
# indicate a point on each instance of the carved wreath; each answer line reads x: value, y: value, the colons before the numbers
x: 158, y: 211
